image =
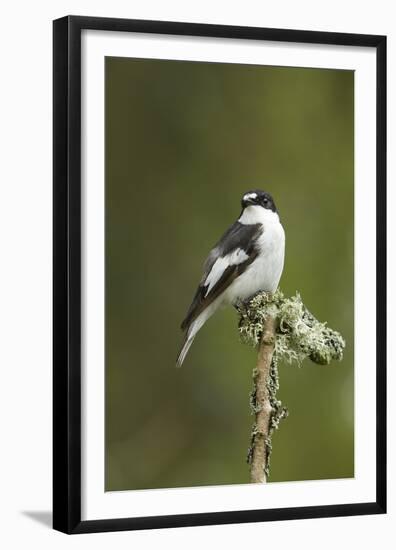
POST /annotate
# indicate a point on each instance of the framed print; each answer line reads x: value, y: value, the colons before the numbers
x: 219, y: 206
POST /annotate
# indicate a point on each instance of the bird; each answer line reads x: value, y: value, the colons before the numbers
x: 248, y: 258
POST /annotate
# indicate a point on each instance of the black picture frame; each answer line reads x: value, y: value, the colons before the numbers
x: 67, y: 273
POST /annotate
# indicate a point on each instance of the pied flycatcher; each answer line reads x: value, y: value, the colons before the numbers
x: 247, y: 259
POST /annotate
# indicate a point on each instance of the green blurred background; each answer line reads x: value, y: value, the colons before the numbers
x: 184, y: 141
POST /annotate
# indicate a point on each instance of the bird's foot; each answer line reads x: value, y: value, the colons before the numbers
x: 241, y: 305
x: 248, y: 300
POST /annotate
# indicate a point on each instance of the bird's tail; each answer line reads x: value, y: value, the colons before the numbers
x: 190, y: 335
x: 192, y: 332
x: 188, y: 340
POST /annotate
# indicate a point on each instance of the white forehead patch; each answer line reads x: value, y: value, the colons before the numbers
x: 250, y: 196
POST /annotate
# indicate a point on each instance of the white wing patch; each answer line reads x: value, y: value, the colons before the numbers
x: 237, y: 257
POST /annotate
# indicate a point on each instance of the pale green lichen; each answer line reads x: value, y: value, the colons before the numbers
x: 278, y: 412
x: 299, y: 335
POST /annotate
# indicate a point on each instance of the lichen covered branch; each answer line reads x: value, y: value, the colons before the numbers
x: 283, y: 330
x: 260, y: 402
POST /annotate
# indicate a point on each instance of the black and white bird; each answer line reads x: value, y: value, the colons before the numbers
x: 247, y: 259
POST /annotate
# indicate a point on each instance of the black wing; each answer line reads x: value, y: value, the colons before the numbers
x: 237, y: 237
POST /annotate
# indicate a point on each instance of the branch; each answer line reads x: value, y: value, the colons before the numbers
x: 283, y: 330
x: 260, y: 401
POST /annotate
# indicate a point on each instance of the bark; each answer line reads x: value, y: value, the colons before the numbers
x: 263, y: 409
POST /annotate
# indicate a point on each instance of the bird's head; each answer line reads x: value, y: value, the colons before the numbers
x: 258, y: 198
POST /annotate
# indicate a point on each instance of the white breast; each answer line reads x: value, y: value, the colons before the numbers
x: 265, y: 271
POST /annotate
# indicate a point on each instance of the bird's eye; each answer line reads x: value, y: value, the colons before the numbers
x: 265, y: 200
